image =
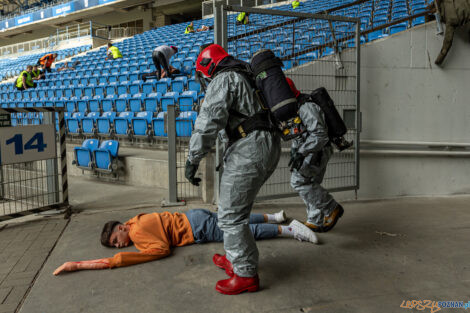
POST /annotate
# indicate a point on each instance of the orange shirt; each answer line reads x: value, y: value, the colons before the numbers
x: 47, y: 59
x: 154, y: 234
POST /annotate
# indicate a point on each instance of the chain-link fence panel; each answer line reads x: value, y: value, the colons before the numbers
x: 33, y: 172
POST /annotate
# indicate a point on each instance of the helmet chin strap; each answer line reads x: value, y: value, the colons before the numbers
x: 202, y: 80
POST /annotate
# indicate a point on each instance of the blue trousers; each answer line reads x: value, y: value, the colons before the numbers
x: 205, y: 229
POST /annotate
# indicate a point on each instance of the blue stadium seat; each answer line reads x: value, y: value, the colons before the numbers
x: 106, y: 155
x: 88, y: 92
x: 88, y: 123
x: 158, y: 125
x: 169, y: 98
x: 152, y: 101
x: 194, y: 85
x: 82, y: 106
x: 140, y: 124
x: 185, y: 123
x: 107, y: 105
x: 147, y: 88
x: 104, y: 123
x: 110, y: 90
x: 83, y: 156
x: 94, y: 105
x: 177, y: 86
x: 161, y: 87
x: 186, y: 100
x: 135, y: 104
x: 73, y: 123
x: 70, y: 106
x: 398, y: 28
x: 121, y: 123
x: 121, y: 104
x: 122, y: 89
x: 134, y: 89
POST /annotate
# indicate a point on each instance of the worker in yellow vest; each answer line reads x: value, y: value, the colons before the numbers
x: 295, y: 4
x: 113, y: 52
x: 242, y: 18
x: 189, y: 28
x: 37, y: 74
x: 25, y: 80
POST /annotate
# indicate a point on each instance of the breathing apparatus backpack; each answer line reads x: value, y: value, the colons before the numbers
x: 283, y: 105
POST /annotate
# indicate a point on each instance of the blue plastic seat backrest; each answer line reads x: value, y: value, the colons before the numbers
x: 112, y: 146
x: 91, y: 144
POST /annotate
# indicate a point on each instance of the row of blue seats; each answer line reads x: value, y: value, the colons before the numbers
x: 93, y: 156
x: 154, y: 102
x: 56, y: 90
x: 127, y: 124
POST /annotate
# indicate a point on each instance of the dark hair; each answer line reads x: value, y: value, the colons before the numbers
x: 107, y: 231
x: 109, y: 44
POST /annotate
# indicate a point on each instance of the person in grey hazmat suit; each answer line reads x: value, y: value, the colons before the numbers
x: 310, y: 153
x: 252, y: 156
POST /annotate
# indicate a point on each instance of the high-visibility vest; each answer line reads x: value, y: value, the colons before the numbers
x: 242, y: 18
x: 189, y: 29
x: 115, y: 52
x: 29, y: 80
x: 36, y: 74
x: 47, y: 60
x: 295, y: 4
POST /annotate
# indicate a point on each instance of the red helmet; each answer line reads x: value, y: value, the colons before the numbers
x: 294, y: 89
x: 209, y: 58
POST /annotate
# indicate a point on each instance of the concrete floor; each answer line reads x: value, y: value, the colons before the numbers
x: 380, y: 254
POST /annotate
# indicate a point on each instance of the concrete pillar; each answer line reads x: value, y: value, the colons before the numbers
x: 161, y: 20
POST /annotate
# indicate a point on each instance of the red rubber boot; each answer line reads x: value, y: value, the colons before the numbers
x: 222, y: 262
x: 237, y: 284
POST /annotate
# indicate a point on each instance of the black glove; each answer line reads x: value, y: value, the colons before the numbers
x: 189, y: 172
x: 296, y: 161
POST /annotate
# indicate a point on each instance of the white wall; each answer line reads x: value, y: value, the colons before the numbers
x: 405, y: 97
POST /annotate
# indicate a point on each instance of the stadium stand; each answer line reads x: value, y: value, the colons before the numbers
x: 108, y: 99
x: 13, y: 67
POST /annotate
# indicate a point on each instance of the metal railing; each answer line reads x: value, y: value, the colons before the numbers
x: 33, y: 168
x: 41, y: 45
x: 118, y: 32
x: 179, y: 189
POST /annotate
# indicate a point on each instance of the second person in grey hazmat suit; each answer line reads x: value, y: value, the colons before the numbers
x: 248, y: 162
x: 310, y: 154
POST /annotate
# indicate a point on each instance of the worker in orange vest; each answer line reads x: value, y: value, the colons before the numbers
x: 47, y: 60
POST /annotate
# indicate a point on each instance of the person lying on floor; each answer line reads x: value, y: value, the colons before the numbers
x: 154, y: 235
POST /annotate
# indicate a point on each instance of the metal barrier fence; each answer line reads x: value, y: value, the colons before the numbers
x: 179, y: 188
x: 33, y: 168
x: 318, y: 50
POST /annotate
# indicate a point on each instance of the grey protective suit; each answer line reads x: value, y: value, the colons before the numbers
x: 248, y: 163
x: 314, y: 145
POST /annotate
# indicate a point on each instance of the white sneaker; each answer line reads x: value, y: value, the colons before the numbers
x: 302, y: 232
x: 280, y: 216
